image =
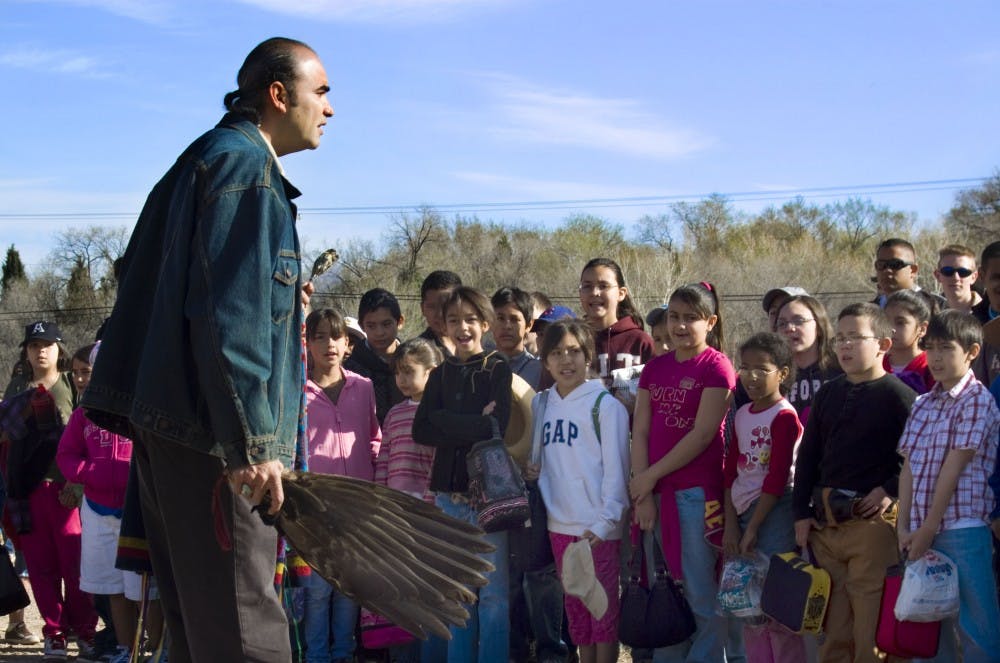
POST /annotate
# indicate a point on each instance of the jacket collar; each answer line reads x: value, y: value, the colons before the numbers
x: 252, y: 132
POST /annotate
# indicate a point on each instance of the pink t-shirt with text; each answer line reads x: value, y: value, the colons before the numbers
x: 675, y: 389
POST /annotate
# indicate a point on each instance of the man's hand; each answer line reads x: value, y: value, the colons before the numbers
x: 307, y: 292
x: 259, y: 480
x: 874, y: 503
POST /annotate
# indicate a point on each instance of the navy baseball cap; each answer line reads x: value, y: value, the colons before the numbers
x: 41, y: 331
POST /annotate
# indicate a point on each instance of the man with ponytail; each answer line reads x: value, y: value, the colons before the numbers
x: 201, y: 358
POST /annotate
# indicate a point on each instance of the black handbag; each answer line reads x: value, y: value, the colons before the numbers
x: 496, y: 488
x: 655, y: 616
x: 12, y: 594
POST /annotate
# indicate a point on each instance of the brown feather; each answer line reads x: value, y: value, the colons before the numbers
x: 393, y: 553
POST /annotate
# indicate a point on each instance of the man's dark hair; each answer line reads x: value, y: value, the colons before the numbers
x: 517, y: 297
x: 951, y: 325
x: 375, y: 299
x: 440, y: 279
x: 990, y: 252
x: 276, y: 59
x: 894, y: 242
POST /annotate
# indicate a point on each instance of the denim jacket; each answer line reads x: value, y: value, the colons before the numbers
x: 203, y: 345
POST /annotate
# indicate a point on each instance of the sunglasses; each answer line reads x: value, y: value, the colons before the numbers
x: 949, y: 271
x: 895, y: 264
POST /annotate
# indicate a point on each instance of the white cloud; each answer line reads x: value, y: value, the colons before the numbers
x: 54, y: 62
x: 541, y: 189
x: 375, y: 11
x: 528, y: 113
x: 146, y: 11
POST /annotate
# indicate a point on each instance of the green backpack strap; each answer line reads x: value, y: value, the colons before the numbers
x: 595, y: 414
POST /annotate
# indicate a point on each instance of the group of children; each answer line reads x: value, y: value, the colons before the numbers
x: 65, y: 480
x: 862, y: 439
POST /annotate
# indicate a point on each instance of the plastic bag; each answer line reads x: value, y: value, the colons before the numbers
x: 930, y: 589
x: 741, y: 585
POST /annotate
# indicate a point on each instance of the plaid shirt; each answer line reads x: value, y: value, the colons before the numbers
x: 963, y: 417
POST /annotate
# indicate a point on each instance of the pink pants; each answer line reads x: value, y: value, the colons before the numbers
x: 773, y: 643
x: 583, y: 628
x: 52, y: 554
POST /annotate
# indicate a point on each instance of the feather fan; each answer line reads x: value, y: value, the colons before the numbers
x: 394, y: 554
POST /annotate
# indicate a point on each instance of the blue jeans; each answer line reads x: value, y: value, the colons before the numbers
x: 777, y: 533
x: 328, y: 611
x: 978, y: 615
x: 701, y: 587
x: 486, y: 637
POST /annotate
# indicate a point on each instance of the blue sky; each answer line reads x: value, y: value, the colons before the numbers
x: 443, y: 102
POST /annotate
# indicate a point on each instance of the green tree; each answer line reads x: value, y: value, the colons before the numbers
x: 79, y: 288
x: 707, y: 223
x: 13, y: 270
x: 858, y: 222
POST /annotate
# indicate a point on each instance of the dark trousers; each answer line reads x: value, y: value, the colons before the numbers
x: 536, y: 603
x: 219, y: 605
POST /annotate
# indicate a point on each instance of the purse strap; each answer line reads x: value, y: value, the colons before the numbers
x: 638, y: 553
x: 539, y: 421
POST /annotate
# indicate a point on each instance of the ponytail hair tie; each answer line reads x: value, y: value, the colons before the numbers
x: 707, y: 286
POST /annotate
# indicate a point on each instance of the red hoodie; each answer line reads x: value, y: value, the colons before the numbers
x: 622, y: 345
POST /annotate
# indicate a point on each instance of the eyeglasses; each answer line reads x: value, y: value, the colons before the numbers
x: 794, y: 322
x: 950, y: 271
x: 755, y: 373
x: 895, y: 264
x: 848, y: 341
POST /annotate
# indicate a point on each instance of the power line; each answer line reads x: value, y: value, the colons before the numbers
x: 565, y: 204
x: 106, y: 310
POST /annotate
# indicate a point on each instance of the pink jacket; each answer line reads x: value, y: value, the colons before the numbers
x: 95, y: 457
x: 344, y: 438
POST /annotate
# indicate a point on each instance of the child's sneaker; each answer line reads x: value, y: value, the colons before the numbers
x: 55, y: 648
x: 18, y: 634
x: 87, y: 652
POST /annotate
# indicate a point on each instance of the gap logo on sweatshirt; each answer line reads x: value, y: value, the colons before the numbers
x: 561, y: 431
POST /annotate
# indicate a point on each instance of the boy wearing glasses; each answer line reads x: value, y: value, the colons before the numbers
x: 846, y: 476
x: 956, y: 272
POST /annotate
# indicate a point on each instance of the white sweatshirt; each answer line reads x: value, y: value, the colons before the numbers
x: 583, y: 479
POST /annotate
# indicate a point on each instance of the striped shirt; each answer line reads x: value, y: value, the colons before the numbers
x: 963, y: 417
x: 402, y: 463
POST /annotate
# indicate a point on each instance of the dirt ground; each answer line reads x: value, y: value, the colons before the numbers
x: 33, y: 653
x: 24, y: 653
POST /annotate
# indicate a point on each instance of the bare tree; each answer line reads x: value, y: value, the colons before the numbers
x: 976, y: 212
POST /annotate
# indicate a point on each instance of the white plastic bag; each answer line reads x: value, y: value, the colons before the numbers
x: 741, y: 585
x: 930, y: 589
